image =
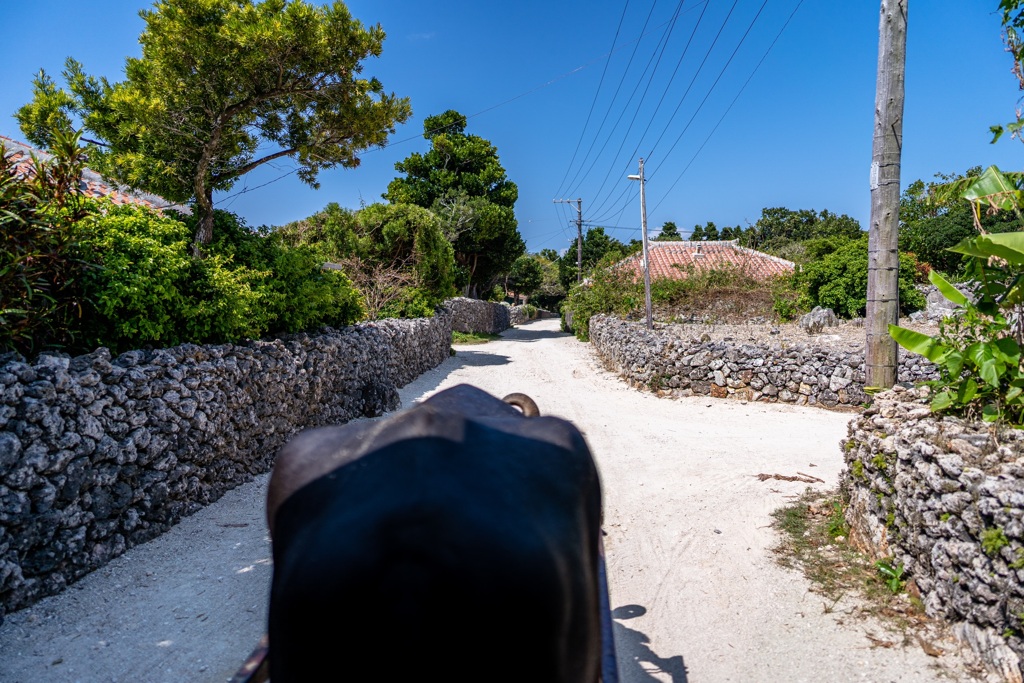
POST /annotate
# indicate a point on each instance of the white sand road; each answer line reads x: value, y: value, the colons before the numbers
x: 696, y: 592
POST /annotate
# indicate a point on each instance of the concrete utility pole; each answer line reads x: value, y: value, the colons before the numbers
x: 579, y: 233
x: 883, y: 258
x: 647, y: 256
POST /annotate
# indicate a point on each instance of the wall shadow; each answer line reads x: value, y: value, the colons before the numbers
x: 474, y: 359
x: 528, y: 335
x: 637, y: 662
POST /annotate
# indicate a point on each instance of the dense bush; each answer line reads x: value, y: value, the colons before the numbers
x: 39, y: 299
x: 402, y: 234
x: 395, y: 254
x: 978, y: 347
x: 608, y: 290
x: 142, y: 286
x: 840, y: 281
x: 296, y: 291
x: 720, y: 295
x: 930, y: 224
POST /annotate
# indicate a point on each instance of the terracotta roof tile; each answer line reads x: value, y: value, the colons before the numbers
x: 674, y: 259
x: 91, y: 184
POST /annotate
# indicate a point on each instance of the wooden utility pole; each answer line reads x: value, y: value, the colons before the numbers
x: 579, y: 234
x: 883, y: 258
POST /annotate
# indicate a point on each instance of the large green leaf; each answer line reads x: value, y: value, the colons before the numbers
x: 970, y: 247
x: 1008, y: 349
x: 954, y: 362
x: 941, y: 401
x: 916, y: 342
x: 978, y: 352
x: 967, y: 391
x: 993, y: 188
x: 989, y: 371
x: 1007, y: 245
x: 946, y: 289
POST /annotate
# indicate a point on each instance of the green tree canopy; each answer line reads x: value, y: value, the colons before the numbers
x: 840, y: 280
x: 461, y: 179
x: 548, y: 254
x: 930, y: 225
x: 526, y: 276
x: 217, y: 81
x: 596, y: 245
x: 396, y: 254
x: 669, y: 233
x: 550, y: 292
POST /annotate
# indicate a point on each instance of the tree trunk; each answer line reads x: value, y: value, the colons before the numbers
x: 204, y: 229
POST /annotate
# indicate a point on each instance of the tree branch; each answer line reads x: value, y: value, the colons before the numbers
x: 242, y: 170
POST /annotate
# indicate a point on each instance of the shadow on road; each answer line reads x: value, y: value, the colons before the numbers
x: 637, y: 662
x: 529, y: 335
x: 480, y: 358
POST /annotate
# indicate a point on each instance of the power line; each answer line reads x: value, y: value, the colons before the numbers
x: 656, y: 56
x: 694, y: 79
x: 715, y: 84
x: 597, y: 92
x: 731, y: 104
x: 647, y: 88
x: 611, y: 103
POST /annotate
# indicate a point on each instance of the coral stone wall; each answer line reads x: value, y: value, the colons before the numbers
x: 98, y: 454
x: 474, y: 315
x: 941, y: 496
x: 667, y: 359
x: 944, y: 497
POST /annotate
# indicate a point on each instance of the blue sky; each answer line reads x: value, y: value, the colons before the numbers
x: 572, y: 93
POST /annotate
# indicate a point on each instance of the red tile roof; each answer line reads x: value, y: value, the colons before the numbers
x: 92, y: 184
x: 675, y: 259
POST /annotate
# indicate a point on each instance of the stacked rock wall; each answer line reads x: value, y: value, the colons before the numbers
x: 944, y: 498
x: 522, y: 314
x: 474, y: 315
x: 663, y: 359
x: 100, y: 454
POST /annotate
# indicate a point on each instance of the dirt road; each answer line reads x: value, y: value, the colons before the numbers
x: 696, y: 594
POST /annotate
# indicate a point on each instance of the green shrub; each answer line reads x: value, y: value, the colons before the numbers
x: 395, y: 255
x: 978, y: 347
x: 785, y: 293
x: 403, y: 237
x: 410, y: 303
x: 143, y: 287
x: 608, y: 291
x: 297, y: 293
x: 39, y: 299
x: 840, y: 281
x: 300, y: 294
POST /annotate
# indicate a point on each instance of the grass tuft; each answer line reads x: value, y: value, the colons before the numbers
x: 815, y: 539
x: 472, y: 337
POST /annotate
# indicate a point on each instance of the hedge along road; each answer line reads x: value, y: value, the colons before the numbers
x: 695, y: 591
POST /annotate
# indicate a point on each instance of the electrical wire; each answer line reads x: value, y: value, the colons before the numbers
x: 638, y: 107
x: 615, y: 96
x: 713, y: 85
x: 597, y: 92
x: 731, y: 104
